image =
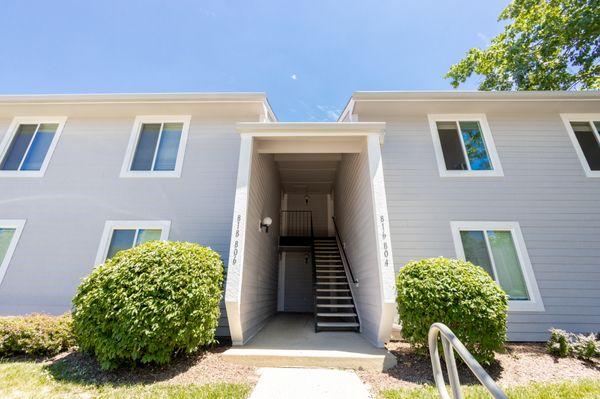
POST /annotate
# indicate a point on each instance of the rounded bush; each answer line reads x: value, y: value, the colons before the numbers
x: 148, y: 303
x: 457, y: 293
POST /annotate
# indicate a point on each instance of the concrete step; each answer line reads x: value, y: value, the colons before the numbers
x: 330, y: 283
x: 333, y: 314
x: 326, y: 277
x: 332, y: 289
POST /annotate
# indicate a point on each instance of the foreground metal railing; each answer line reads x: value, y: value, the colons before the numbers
x: 450, y: 344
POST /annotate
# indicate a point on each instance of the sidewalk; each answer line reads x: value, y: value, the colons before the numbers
x: 305, y: 383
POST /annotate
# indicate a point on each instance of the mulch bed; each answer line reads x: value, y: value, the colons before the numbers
x: 521, y: 364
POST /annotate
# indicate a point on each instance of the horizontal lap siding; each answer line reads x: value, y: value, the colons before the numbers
x: 67, y: 208
x: 354, y: 217
x: 544, y: 189
x: 260, y: 273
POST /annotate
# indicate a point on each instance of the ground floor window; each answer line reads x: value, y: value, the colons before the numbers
x: 499, y: 248
x: 120, y: 235
x: 10, y: 230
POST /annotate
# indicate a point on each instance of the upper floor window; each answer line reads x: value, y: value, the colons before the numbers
x: 10, y: 230
x: 464, y: 146
x: 157, y: 146
x: 583, y: 130
x: 499, y: 248
x: 28, y: 146
x: 121, y: 235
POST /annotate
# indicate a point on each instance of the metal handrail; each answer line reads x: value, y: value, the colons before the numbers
x: 451, y: 343
x: 337, y: 233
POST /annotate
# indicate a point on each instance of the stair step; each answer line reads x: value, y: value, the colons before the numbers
x: 335, y: 305
x: 333, y: 314
x: 330, y: 283
x: 334, y: 297
x: 332, y: 289
x: 336, y: 324
x: 326, y: 277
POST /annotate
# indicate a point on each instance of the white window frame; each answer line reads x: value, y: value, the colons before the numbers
x: 590, y: 118
x: 12, y: 131
x: 133, y: 140
x: 496, y: 170
x: 534, y: 304
x: 18, y: 225
x: 111, y: 225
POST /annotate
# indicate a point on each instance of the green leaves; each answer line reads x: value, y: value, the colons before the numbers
x: 35, y: 335
x: 457, y: 293
x: 147, y: 303
x: 546, y: 45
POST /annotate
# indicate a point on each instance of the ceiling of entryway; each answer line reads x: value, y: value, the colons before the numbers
x: 307, y: 173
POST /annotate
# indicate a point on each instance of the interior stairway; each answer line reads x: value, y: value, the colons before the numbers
x: 334, y: 305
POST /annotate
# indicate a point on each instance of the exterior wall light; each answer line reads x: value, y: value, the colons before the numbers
x: 266, y: 222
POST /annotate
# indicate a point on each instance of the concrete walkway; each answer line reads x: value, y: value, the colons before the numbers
x: 289, y: 340
x: 292, y: 383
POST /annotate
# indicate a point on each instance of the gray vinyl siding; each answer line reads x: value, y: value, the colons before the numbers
x: 544, y: 189
x: 355, y: 219
x: 67, y: 208
x: 260, y: 273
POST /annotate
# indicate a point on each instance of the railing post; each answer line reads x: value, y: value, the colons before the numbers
x: 451, y: 368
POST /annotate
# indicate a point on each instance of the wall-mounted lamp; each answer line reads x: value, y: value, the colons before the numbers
x: 306, y: 198
x: 266, y: 222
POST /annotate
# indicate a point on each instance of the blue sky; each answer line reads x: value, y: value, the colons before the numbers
x: 308, y: 56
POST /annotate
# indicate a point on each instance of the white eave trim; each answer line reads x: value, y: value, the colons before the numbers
x: 428, y: 96
x: 312, y: 129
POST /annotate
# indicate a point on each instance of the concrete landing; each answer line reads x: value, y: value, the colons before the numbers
x: 308, y: 383
x: 289, y: 340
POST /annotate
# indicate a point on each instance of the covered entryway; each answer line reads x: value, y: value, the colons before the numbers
x: 327, y: 179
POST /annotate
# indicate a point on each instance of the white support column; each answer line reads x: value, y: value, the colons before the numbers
x: 384, y: 246
x: 233, y: 290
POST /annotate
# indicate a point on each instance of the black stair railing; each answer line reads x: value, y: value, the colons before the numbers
x: 343, y: 250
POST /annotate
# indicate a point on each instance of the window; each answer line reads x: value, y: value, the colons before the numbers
x: 499, y: 248
x: 583, y: 130
x: 28, y: 146
x: 120, y: 235
x: 464, y: 146
x: 156, y: 147
x: 10, y: 231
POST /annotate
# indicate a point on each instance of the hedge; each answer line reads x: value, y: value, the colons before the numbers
x: 35, y: 335
x: 148, y: 303
x: 457, y: 293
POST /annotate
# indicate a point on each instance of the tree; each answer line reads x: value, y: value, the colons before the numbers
x: 545, y: 45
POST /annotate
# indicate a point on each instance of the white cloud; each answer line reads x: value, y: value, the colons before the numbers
x: 294, y: 76
x: 484, y: 38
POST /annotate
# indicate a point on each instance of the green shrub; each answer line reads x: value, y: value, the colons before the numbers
x: 457, y: 293
x: 559, y: 343
x: 586, y: 347
x: 148, y: 303
x: 35, y: 335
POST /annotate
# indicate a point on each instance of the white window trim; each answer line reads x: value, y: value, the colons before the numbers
x: 18, y: 225
x: 135, y: 134
x: 487, y: 137
x: 534, y: 304
x: 567, y: 119
x: 12, y: 131
x: 110, y: 225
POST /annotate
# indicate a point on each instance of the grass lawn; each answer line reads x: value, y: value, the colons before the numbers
x: 34, y: 380
x: 584, y: 389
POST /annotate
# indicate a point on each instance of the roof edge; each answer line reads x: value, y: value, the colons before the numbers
x: 475, y: 95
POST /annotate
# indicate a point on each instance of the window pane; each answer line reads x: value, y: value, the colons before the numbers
x: 120, y: 240
x: 6, y: 236
x: 17, y: 148
x: 507, y: 264
x: 169, y: 144
x: 145, y: 235
x: 146, y: 146
x: 39, y: 147
x: 454, y: 156
x: 588, y: 143
x: 475, y: 146
x: 476, y: 250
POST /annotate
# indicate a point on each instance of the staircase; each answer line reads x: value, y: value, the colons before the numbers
x: 334, y: 305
